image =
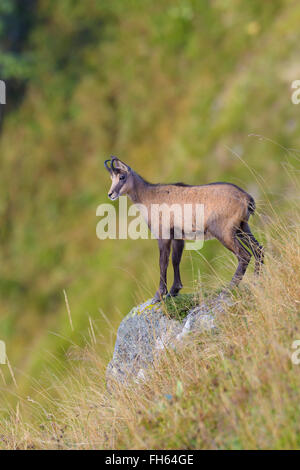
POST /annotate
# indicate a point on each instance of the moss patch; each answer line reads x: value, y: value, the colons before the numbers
x: 178, y: 307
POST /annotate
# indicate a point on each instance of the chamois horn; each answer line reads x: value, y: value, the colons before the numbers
x: 107, y: 167
x: 112, y: 165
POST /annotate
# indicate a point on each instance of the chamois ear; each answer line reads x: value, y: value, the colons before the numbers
x: 117, y: 164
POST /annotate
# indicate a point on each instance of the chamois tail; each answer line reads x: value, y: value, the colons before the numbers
x: 251, y: 206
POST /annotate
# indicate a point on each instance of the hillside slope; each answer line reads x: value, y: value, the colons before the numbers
x: 236, y: 387
x: 179, y: 90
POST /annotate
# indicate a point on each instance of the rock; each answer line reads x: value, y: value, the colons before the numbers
x: 202, y: 317
x: 147, y: 330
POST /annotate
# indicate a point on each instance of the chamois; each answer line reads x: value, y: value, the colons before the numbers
x: 227, y: 209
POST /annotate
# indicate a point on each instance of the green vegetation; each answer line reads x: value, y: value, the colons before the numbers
x: 16, y: 18
x: 179, y: 306
x: 188, y: 90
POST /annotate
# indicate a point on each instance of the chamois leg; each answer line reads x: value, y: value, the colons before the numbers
x: 164, y: 254
x: 243, y: 257
x: 247, y: 237
x: 233, y: 244
x: 177, y: 249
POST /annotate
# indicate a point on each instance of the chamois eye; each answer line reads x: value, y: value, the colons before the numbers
x: 122, y: 177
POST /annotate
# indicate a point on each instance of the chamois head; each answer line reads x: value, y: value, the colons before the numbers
x: 121, y: 176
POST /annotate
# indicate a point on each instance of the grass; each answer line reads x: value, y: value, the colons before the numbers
x: 220, y: 77
x: 237, y: 389
x: 220, y: 73
x: 179, y: 306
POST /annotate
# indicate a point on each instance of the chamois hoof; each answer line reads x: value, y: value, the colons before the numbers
x: 159, y: 297
x: 172, y: 294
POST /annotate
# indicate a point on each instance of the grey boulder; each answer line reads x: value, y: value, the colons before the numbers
x: 147, y: 330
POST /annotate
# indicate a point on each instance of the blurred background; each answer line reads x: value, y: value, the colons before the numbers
x: 191, y: 90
